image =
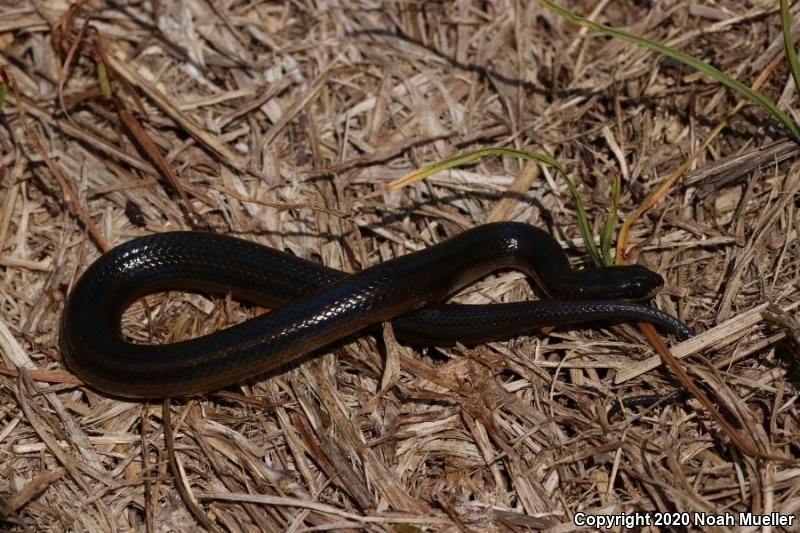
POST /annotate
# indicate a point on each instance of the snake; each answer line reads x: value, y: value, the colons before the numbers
x: 312, y: 306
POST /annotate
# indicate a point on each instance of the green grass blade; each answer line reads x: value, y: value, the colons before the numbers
x: 611, y: 221
x: 444, y: 164
x: 735, y: 85
x: 105, y: 83
x: 788, y: 43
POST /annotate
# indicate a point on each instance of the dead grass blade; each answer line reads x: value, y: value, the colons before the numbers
x: 157, y: 158
x: 222, y: 152
x: 73, y: 202
x: 653, y: 198
x: 178, y: 472
x: 683, y: 377
x: 717, y: 337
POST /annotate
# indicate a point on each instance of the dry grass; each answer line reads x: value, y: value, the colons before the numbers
x: 273, y: 121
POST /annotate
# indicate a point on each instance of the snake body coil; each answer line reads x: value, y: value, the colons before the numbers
x: 314, y: 305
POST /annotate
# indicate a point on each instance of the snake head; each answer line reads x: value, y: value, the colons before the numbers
x: 629, y: 283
